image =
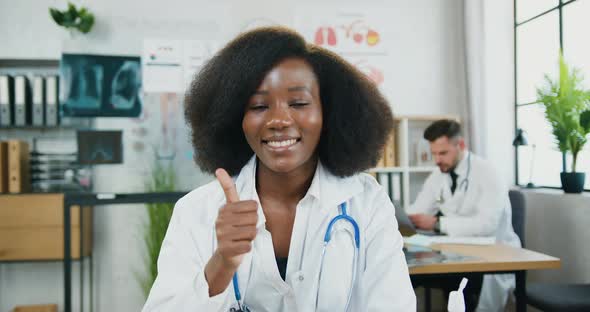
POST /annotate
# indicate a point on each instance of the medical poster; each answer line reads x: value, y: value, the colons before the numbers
x: 195, y: 54
x: 357, y: 34
x: 170, y: 65
x: 162, y: 65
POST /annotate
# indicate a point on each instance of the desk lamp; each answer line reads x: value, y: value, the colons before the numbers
x: 522, y: 140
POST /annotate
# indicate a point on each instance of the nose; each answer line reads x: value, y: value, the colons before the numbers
x: 279, y: 117
x: 437, y: 159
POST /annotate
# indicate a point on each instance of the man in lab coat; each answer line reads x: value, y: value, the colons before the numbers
x: 465, y: 197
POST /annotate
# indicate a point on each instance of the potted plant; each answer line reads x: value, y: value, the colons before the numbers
x: 567, y: 108
x: 72, y: 18
x: 162, y: 179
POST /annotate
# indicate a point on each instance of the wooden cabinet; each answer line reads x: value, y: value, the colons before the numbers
x: 37, y: 308
x: 31, y: 227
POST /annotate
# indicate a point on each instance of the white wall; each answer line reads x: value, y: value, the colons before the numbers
x: 429, y: 79
x: 498, y: 115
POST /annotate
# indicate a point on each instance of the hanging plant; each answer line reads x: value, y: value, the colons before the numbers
x: 73, y: 18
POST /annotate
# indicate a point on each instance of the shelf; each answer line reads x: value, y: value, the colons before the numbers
x: 387, y: 170
x: 403, y: 169
x: 426, y: 117
x: 42, y: 128
x: 66, y: 124
x: 423, y: 169
x: 28, y: 63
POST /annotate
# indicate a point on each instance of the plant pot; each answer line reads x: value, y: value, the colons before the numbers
x: 573, y: 182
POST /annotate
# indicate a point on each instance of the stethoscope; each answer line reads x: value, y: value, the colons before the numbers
x: 464, y: 183
x: 343, y: 216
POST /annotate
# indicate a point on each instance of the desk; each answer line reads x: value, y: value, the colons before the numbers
x: 89, y: 199
x: 491, y: 259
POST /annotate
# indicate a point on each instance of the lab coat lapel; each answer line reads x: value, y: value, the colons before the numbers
x: 245, y: 186
x: 330, y: 191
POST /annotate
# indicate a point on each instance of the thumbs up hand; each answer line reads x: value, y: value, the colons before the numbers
x: 235, y: 226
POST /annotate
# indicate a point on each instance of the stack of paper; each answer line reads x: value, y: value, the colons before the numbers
x: 424, y: 240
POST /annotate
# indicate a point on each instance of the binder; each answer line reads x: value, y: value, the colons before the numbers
x: 51, y: 101
x: 38, y: 101
x: 18, y: 167
x: 6, y: 100
x: 22, y: 101
x: 390, y: 152
x: 3, y: 167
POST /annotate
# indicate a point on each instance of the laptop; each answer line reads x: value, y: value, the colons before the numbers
x: 405, y: 225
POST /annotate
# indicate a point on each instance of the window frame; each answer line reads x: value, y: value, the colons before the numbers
x: 560, y: 4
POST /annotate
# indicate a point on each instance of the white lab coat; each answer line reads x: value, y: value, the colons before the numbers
x: 479, y: 207
x: 382, y: 278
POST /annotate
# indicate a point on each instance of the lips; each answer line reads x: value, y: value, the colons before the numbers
x: 280, y: 143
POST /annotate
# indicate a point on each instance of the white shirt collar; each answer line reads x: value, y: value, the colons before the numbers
x: 328, y: 189
x: 461, y: 168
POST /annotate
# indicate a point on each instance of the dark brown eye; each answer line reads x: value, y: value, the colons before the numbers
x: 298, y: 103
x: 258, y: 107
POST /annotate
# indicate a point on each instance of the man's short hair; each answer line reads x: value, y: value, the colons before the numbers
x: 444, y: 127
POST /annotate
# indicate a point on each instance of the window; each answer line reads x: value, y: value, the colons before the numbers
x: 541, y: 28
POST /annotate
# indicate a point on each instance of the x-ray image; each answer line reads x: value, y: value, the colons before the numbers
x: 100, y: 86
x: 99, y: 147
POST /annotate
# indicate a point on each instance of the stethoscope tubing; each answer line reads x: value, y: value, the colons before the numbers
x: 327, y: 237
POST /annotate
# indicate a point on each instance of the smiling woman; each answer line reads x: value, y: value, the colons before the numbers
x: 298, y: 227
x: 356, y: 117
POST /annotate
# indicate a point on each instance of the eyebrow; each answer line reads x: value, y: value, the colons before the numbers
x: 299, y: 88
x: 291, y: 89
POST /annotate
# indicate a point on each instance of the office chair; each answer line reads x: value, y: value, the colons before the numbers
x: 548, y: 297
x: 517, y: 202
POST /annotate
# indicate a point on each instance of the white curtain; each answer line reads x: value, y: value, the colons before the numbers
x: 475, y: 55
x: 489, y: 81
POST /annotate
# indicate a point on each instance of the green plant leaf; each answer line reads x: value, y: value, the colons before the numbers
x: 72, y: 9
x: 565, y: 102
x: 57, y: 16
x: 585, y: 120
x: 69, y: 18
x: 162, y: 179
x: 86, y: 23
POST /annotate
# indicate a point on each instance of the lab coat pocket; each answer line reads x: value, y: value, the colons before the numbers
x: 336, y: 272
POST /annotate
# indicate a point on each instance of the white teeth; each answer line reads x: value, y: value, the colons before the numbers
x: 282, y: 143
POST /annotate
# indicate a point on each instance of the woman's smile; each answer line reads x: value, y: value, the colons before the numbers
x: 280, y: 145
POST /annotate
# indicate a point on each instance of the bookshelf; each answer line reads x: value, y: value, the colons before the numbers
x: 406, y: 161
x: 44, y: 128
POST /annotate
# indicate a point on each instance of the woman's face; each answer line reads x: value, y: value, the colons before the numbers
x: 283, y: 118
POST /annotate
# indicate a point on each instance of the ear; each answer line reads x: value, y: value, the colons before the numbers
x: 461, y: 143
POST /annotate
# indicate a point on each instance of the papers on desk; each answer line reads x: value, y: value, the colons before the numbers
x: 420, y: 256
x: 425, y: 240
